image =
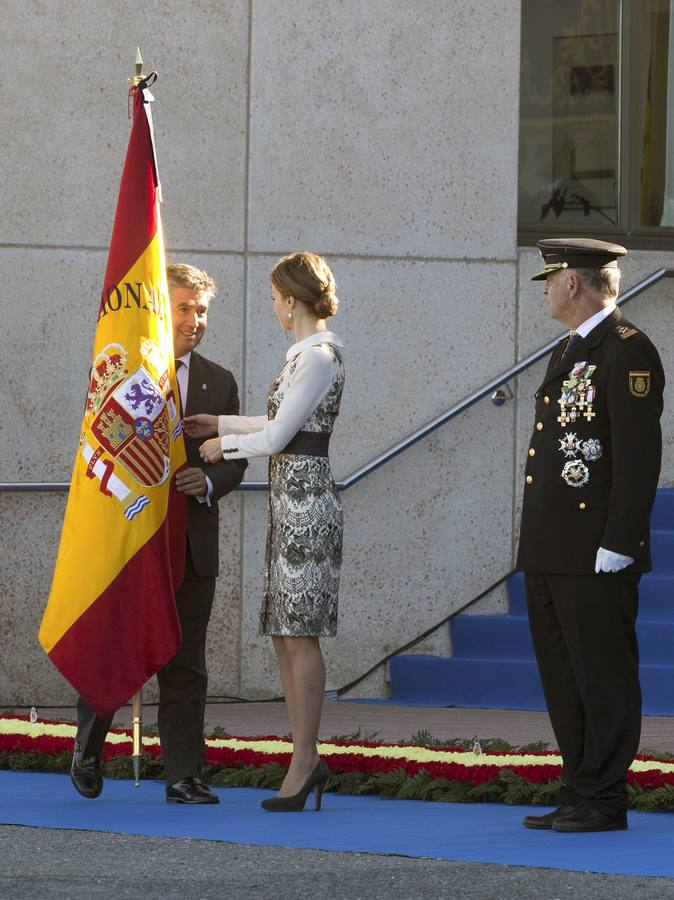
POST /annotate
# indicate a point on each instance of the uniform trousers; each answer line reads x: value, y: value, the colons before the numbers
x: 182, y: 688
x: 583, y: 630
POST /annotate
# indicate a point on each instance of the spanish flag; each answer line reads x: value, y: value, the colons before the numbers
x: 111, y: 619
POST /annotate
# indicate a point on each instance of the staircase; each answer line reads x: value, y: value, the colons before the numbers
x: 493, y: 665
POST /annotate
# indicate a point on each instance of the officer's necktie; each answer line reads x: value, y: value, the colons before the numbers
x: 571, y: 341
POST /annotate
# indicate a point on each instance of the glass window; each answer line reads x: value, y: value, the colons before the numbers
x: 569, y: 113
x: 597, y: 119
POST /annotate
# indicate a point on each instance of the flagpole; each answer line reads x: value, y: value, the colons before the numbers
x: 137, y: 729
x: 137, y: 699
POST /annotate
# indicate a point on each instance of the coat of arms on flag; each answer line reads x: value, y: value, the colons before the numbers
x: 133, y: 426
x: 132, y: 423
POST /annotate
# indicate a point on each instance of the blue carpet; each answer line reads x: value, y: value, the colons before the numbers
x: 488, y: 833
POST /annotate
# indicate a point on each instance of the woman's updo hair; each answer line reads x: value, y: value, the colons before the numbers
x: 307, y: 277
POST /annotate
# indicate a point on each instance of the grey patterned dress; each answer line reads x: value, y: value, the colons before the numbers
x: 304, y: 536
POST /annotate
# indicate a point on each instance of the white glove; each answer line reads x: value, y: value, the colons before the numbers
x: 608, y: 561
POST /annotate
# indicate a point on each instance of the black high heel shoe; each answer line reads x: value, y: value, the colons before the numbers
x: 295, y: 803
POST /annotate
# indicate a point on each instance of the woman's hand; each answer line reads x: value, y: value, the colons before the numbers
x: 200, y: 426
x: 211, y: 451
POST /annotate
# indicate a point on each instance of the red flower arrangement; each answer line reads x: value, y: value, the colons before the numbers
x: 437, y: 773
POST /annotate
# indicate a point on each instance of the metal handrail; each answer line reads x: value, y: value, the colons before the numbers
x: 416, y: 436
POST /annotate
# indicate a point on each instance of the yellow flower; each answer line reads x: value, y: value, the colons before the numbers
x: 281, y: 745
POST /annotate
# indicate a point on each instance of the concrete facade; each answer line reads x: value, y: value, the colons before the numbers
x: 383, y: 135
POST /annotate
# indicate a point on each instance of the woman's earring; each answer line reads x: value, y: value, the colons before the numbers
x: 290, y: 315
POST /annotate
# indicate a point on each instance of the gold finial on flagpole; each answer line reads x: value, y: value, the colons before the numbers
x: 139, y: 76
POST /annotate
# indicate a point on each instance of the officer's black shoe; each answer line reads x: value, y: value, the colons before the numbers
x: 545, y: 822
x: 190, y: 790
x: 85, y: 774
x: 584, y: 819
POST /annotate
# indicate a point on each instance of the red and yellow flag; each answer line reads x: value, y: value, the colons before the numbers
x: 111, y: 620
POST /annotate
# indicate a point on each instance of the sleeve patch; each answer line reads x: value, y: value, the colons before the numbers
x: 639, y: 383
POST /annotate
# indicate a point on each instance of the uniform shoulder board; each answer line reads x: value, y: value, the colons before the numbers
x: 624, y: 331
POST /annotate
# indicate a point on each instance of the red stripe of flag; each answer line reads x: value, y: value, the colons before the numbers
x: 140, y: 637
x: 136, y: 214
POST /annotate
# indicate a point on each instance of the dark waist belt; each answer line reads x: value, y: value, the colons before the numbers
x: 308, y: 443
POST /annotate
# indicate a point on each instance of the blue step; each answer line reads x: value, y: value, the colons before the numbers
x: 501, y: 684
x: 501, y: 637
x: 663, y: 509
x: 488, y: 637
x: 656, y: 642
x: 485, y: 683
x: 662, y: 551
x: 517, y: 595
x: 656, y: 597
x: 657, y: 689
x: 493, y: 665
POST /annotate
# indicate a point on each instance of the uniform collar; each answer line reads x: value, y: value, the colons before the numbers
x: 589, y: 324
x: 321, y: 337
x: 598, y: 333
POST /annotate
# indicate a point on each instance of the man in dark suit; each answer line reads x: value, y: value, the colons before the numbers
x: 204, y: 387
x: 591, y: 475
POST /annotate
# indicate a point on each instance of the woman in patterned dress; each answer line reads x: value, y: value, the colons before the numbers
x: 304, y: 536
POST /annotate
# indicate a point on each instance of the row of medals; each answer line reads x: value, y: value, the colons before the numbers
x: 578, y: 395
x: 576, y: 401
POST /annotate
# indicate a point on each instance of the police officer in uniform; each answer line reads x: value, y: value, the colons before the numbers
x: 591, y: 475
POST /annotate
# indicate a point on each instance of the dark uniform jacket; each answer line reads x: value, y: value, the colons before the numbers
x: 210, y: 389
x: 594, y: 457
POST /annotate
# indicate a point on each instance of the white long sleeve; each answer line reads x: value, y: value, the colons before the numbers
x: 240, y: 424
x: 307, y: 386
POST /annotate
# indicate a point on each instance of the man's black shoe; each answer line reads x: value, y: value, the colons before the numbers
x: 190, y: 790
x: 85, y: 774
x: 583, y: 819
x: 545, y: 822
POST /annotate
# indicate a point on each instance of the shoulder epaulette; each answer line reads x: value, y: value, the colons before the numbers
x: 624, y: 331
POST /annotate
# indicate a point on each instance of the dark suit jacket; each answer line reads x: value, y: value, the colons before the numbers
x: 564, y: 524
x: 210, y: 389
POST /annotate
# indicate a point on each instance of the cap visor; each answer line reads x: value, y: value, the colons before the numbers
x: 541, y: 276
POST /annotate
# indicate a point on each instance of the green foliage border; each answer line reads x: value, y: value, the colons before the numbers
x: 505, y: 787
